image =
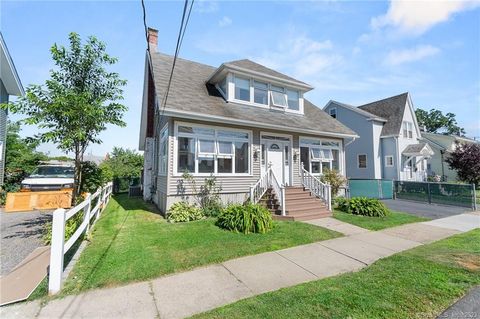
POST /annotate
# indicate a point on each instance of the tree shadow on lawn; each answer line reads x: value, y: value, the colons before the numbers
x: 136, y: 203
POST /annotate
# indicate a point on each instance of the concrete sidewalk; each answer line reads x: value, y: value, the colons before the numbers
x: 185, y: 294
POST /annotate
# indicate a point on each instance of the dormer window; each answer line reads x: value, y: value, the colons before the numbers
x: 278, y: 96
x: 260, y: 92
x: 242, y: 89
x: 293, y: 98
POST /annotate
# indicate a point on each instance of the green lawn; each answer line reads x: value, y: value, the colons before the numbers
x: 419, y: 283
x: 377, y: 223
x: 131, y: 243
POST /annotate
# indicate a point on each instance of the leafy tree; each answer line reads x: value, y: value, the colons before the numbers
x: 465, y: 159
x: 77, y: 102
x: 435, y: 122
x: 21, y: 157
x: 123, y: 163
x: 92, y: 177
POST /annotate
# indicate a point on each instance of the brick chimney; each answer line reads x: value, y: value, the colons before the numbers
x: 153, y: 38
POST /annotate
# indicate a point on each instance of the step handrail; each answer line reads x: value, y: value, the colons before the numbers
x: 279, y: 190
x: 317, y: 187
x: 260, y: 187
x: 269, y: 179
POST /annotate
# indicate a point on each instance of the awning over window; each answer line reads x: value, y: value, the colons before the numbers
x: 421, y: 149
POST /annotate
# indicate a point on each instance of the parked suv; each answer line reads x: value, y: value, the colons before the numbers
x: 50, y: 176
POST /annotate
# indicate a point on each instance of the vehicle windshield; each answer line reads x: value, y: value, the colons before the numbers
x: 53, y: 171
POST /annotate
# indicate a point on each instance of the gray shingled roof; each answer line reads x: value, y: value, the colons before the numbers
x: 189, y: 93
x: 414, y: 149
x: 359, y: 111
x: 250, y: 65
x: 391, y: 109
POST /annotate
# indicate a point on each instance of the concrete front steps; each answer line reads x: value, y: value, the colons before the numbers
x: 299, y: 205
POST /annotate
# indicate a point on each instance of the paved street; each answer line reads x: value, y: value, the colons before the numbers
x: 431, y: 211
x: 185, y: 294
x: 21, y: 233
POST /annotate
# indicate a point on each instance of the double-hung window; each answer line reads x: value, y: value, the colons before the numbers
x: 278, y: 96
x: 163, y: 151
x: 260, y: 92
x: 317, y: 156
x: 293, y: 100
x: 407, y: 129
x: 242, y: 89
x: 213, y: 151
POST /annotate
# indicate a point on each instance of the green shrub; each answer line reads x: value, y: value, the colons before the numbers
x: 214, y: 209
x: 367, y: 207
x: 248, y: 218
x: 342, y: 203
x: 184, y: 212
x: 334, y: 179
x: 70, y: 227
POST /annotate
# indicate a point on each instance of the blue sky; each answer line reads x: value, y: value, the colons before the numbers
x: 354, y: 51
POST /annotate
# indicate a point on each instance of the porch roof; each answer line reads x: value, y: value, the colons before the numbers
x: 190, y: 96
x: 420, y: 149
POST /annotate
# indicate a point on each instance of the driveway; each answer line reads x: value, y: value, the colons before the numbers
x: 431, y: 211
x: 20, y: 233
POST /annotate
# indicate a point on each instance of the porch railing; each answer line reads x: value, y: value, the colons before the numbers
x: 319, y: 189
x: 268, y: 180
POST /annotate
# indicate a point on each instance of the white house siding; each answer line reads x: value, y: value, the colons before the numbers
x: 172, y: 188
x: 389, y: 148
x: 362, y: 145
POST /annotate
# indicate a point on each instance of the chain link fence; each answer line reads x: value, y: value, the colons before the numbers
x: 371, y: 188
x: 437, y: 193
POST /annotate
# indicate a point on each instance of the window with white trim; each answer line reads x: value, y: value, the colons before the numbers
x: 203, y: 150
x: 317, y: 155
x: 163, y: 151
x: 333, y: 112
x: 362, y: 160
x: 407, y: 129
x: 242, y: 89
x: 293, y: 98
x: 260, y: 92
x: 389, y: 161
x: 279, y: 98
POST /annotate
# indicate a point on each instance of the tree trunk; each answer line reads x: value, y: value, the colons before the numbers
x: 78, y: 175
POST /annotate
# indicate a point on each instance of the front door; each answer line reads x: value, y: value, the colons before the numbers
x: 277, y: 157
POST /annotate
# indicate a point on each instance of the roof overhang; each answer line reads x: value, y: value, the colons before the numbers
x: 8, y: 73
x: 225, y: 68
x: 214, y: 118
x: 425, y: 151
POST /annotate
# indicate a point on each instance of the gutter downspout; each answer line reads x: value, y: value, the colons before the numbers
x: 399, y: 159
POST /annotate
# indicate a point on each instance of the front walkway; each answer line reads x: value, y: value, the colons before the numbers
x: 184, y: 294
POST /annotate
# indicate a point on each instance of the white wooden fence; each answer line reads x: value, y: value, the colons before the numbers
x: 60, y: 216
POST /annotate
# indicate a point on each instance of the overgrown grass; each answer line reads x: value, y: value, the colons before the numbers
x: 419, y: 283
x: 131, y: 243
x: 377, y: 223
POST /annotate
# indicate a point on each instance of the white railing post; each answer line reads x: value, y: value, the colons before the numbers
x: 87, y: 210
x: 56, y: 251
x: 283, y: 199
x: 329, y: 198
x: 251, y: 194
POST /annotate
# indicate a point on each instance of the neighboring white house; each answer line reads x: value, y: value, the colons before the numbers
x: 390, y: 145
x: 443, y: 145
x: 238, y: 122
x: 9, y: 85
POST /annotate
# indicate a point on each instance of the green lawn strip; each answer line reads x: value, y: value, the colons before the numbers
x: 377, y: 223
x: 130, y: 243
x: 419, y: 283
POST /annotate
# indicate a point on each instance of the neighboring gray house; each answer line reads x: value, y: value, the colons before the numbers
x: 390, y: 145
x: 9, y: 85
x: 241, y: 122
x: 443, y: 145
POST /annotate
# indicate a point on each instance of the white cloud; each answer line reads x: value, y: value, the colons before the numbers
x: 409, y: 55
x: 224, y: 22
x: 206, y: 6
x: 418, y: 16
x: 300, y: 56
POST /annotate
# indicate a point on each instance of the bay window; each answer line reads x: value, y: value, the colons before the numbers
x: 317, y: 155
x: 210, y: 151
